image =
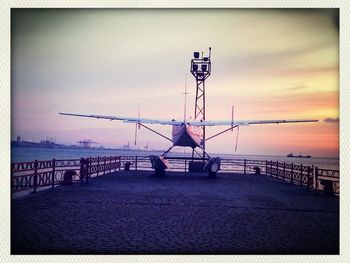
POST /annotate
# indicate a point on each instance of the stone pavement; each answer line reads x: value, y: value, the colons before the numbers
x: 136, y: 213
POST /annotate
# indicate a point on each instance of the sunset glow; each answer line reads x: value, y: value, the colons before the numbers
x: 268, y: 63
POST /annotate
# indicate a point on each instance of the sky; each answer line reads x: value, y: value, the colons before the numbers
x: 268, y: 63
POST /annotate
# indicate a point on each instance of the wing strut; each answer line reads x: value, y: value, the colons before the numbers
x: 164, y: 153
x: 155, y: 132
x: 229, y: 129
x: 194, y: 150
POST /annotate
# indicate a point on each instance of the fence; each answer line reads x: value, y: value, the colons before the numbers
x: 312, y: 177
x: 327, y: 180
x: 292, y: 173
x: 182, y: 164
x: 32, y: 175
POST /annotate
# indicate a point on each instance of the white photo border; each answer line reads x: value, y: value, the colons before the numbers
x: 5, y: 99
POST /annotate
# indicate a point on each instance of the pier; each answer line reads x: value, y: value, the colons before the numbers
x: 132, y: 211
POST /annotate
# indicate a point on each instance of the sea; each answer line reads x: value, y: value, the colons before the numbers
x: 23, y: 154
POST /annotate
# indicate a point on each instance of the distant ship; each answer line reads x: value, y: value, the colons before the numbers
x: 50, y: 142
x: 298, y: 156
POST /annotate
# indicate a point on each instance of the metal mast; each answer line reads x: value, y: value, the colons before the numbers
x: 200, y: 69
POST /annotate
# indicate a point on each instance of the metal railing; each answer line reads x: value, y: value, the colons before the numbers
x: 183, y: 164
x: 327, y: 180
x: 291, y: 173
x: 32, y: 175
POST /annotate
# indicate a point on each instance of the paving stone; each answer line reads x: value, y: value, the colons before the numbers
x: 136, y: 213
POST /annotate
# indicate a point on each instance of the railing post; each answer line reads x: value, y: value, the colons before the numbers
x: 115, y: 163
x: 284, y: 171
x: 308, y: 178
x: 277, y: 170
x: 104, y: 165
x: 87, y: 169
x: 245, y: 168
x: 301, y: 174
x: 292, y: 174
x: 316, y: 178
x: 90, y: 161
x: 98, y: 165
x: 120, y: 163
x: 53, y: 173
x: 81, y: 172
x: 271, y: 168
x: 35, y: 178
x: 136, y: 162
x: 110, y: 164
x: 185, y: 165
x: 84, y: 171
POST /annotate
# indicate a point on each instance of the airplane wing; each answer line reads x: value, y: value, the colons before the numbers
x: 193, y: 123
x: 126, y: 119
x: 244, y: 122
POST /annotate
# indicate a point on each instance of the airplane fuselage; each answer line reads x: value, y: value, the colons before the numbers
x: 186, y: 135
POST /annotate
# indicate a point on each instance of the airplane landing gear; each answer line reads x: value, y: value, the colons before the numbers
x: 212, y: 166
x: 159, y: 164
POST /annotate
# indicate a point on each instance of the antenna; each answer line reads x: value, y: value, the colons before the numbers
x: 135, y: 133
x: 185, y: 110
x: 138, y: 112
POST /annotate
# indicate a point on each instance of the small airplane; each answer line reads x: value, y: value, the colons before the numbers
x: 187, y: 133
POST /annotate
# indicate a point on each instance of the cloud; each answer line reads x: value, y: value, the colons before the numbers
x: 297, y: 87
x: 293, y: 104
x: 331, y: 120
